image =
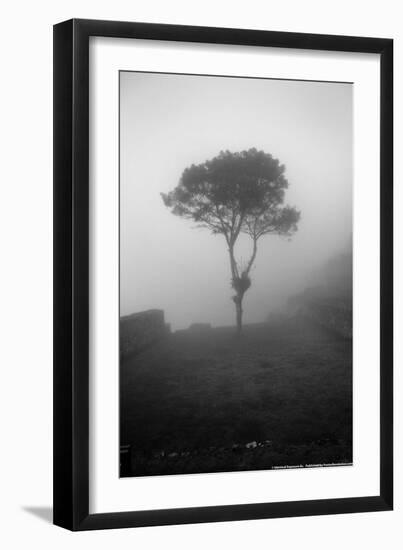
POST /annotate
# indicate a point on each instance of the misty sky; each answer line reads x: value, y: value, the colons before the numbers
x: 168, y: 122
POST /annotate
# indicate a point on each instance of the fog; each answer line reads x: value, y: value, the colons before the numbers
x: 168, y: 122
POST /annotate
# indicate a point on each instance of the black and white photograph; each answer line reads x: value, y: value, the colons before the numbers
x: 202, y: 237
x: 235, y: 274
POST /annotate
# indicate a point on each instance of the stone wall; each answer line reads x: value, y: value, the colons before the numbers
x: 336, y: 316
x: 140, y: 330
x: 333, y: 313
x: 329, y: 300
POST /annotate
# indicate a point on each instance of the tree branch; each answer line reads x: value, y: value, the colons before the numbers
x: 233, y: 263
x: 253, y: 256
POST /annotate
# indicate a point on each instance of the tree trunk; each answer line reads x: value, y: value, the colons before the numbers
x: 239, y: 312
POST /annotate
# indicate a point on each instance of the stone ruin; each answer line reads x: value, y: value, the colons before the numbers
x: 140, y: 330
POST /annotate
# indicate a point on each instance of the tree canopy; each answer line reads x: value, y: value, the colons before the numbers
x: 236, y: 193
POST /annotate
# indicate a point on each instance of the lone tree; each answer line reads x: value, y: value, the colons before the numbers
x: 236, y: 193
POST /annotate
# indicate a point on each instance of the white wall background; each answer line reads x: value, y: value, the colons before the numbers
x: 26, y: 280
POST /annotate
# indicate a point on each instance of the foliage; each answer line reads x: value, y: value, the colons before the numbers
x: 236, y: 193
x: 233, y: 193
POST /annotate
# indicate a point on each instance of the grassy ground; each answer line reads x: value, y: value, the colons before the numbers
x: 201, y: 398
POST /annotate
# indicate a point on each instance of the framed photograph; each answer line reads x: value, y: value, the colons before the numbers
x: 223, y: 259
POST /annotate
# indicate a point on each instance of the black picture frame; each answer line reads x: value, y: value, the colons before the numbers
x: 71, y: 274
